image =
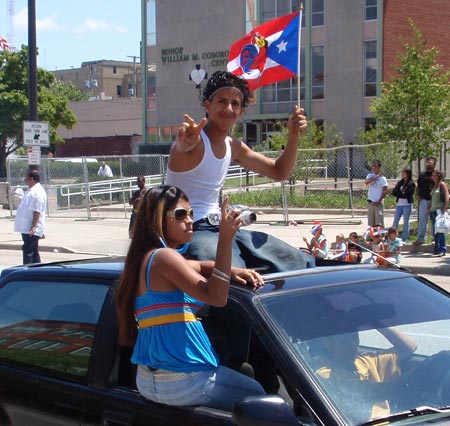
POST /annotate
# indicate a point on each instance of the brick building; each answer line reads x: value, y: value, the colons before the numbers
x: 105, y: 127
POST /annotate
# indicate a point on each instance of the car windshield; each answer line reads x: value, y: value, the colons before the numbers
x: 372, y: 348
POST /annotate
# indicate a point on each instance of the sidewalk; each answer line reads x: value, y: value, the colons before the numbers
x: 108, y: 236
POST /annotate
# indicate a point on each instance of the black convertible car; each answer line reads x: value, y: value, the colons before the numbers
x: 342, y: 345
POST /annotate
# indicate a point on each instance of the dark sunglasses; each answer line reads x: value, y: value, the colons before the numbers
x: 180, y: 213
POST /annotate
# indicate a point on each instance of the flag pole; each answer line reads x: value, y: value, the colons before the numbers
x: 299, y: 51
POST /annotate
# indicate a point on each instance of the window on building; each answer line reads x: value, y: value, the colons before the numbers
x: 317, y: 13
x: 114, y: 70
x: 370, y: 68
x: 369, y: 123
x: 251, y: 15
x: 317, y: 72
x: 151, y: 23
x: 370, y: 12
x: 274, y: 8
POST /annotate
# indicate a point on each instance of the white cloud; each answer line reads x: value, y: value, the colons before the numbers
x: 20, y: 21
x: 48, y: 23
x: 90, y: 25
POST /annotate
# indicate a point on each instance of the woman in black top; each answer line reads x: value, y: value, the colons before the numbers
x: 404, y: 192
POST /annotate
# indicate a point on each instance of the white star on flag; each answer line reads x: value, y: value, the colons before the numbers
x: 282, y: 46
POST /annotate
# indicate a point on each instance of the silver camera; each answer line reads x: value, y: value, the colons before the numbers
x: 247, y: 216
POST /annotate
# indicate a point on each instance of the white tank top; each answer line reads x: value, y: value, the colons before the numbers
x: 203, y: 183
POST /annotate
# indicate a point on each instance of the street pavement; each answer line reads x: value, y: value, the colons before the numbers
x: 69, y: 238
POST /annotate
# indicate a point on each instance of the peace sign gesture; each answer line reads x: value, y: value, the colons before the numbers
x: 189, y: 134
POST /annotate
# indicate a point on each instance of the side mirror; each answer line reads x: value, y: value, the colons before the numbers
x: 267, y: 410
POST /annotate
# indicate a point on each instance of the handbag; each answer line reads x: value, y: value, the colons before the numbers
x: 442, y: 224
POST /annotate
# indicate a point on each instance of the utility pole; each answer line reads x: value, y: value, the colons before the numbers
x: 32, y: 62
x: 144, y: 69
x: 134, y: 74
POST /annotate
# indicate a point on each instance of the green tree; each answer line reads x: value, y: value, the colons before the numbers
x: 68, y: 90
x: 311, y: 148
x: 414, y: 108
x: 52, y: 107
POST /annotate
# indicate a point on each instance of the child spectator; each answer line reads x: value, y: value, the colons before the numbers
x: 354, y: 251
x: 340, y: 251
x: 393, y: 246
x: 318, y: 245
x: 374, y: 236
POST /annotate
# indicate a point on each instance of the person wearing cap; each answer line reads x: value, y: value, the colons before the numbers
x: 317, y: 245
x: 199, y: 161
x: 377, y: 189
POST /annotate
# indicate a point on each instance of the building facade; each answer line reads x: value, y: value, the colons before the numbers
x: 105, y: 79
x: 348, y: 48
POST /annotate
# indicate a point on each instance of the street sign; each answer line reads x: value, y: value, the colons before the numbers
x: 34, y: 155
x: 35, y: 133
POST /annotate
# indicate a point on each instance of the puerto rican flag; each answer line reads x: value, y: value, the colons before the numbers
x: 269, y: 53
x: 4, y: 43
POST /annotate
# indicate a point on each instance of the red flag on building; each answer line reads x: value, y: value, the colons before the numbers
x: 4, y: 43
x: 269, y: 53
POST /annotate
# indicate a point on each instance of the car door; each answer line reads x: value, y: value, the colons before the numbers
x: 47, y: 329
x: 114, y: 399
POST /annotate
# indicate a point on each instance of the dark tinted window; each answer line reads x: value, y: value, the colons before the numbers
x: 50, y: 325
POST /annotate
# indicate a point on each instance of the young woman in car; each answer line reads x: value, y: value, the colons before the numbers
x: 162, y: 291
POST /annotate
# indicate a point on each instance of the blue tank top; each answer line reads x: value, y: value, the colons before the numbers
x: 170, y: 337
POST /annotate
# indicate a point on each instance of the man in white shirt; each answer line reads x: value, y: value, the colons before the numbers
x: 30, y: 217
x: 105, y: 170
x: 377, y: 190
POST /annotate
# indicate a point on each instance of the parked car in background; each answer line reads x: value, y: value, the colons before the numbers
x: 60, y: 363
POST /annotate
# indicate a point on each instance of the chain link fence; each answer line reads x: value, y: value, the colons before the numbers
x: 326, y: 178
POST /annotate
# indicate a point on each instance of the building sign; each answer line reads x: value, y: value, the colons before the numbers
x: 35, y: 133
x: 215, y: 59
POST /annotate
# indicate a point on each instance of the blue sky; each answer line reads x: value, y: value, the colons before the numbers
x: 71, y: 32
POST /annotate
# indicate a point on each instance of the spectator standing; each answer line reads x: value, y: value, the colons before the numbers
x: 423, y: 192
x: 134, y: 201
x: 198, y: 164
x: 105, y: 170
x: 439, y: 204
x: 377, y: 190
x: 404, y: 193
x: 30, y: 217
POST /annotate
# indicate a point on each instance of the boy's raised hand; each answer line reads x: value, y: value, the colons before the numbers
x: 297, y: 122
x: 189, y: 133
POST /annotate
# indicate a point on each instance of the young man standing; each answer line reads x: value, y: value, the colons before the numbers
x: 30, y: 217
x: 199, y: 161
x: 423, y: 191
x: 377, y: 190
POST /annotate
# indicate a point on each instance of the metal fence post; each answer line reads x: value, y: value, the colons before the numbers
x: 123, y: 189
x: 284, y: 202
x: 86, y: 183
x: 349, y: 152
